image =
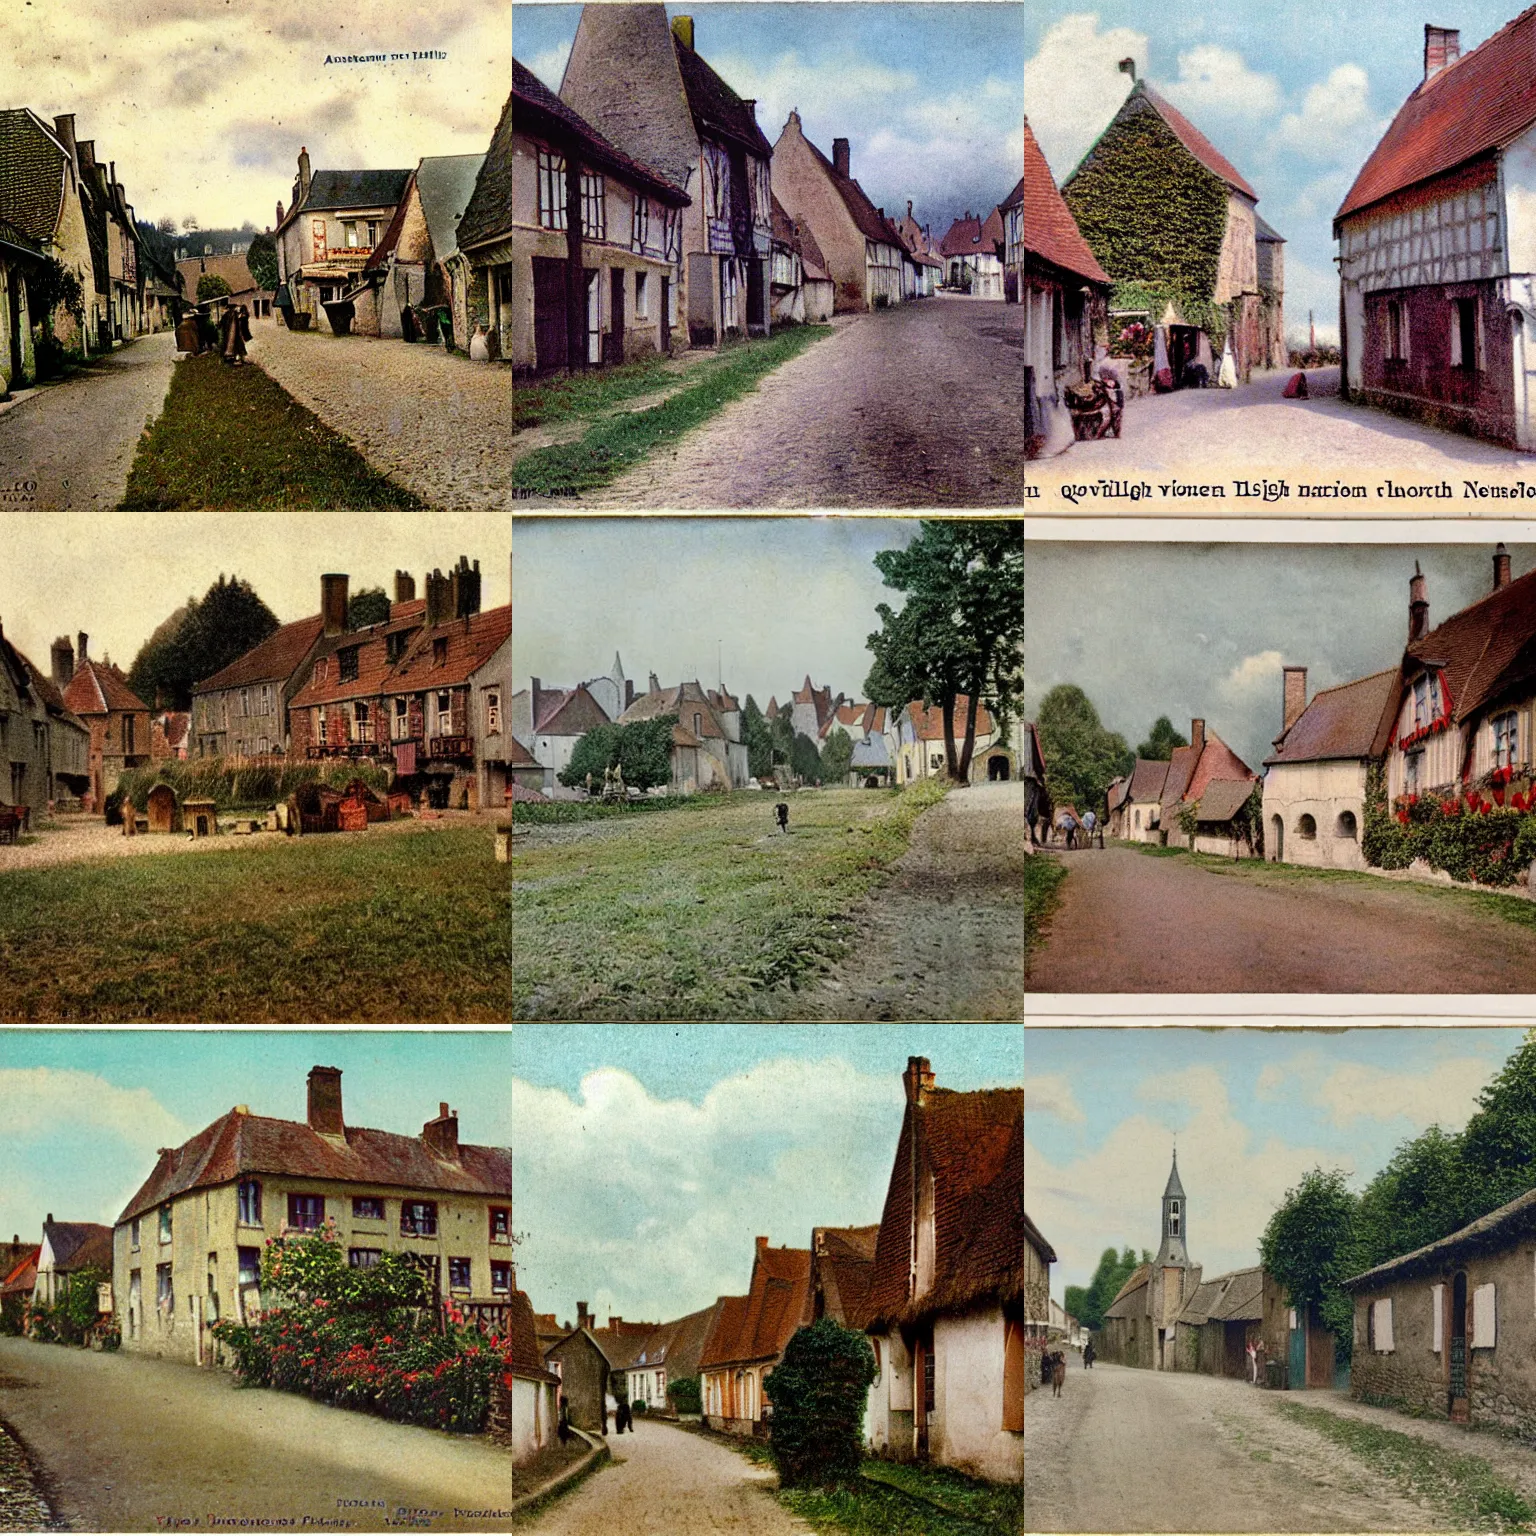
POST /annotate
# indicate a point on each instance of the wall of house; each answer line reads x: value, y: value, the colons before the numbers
x: 802, y: 186
x: 583, y: 1382
x: 888, y: 1424
x: 1326, y: 792
x: 534, y: 1417
x: 965, y: 1429
x: 1442, y: 753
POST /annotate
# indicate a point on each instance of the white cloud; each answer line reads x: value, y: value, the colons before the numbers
x: 549, y: 65
x: 39, y: 1101
x: 1051, y: 1094
x: 1253, y: 677
x: 1314, y: 289
x: 1335, y: 122
x: 1445, y: 1094
x: 1216, y: 82
x: 1073, y: 85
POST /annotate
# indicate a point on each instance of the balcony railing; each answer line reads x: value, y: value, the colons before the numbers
x: 451, y: 746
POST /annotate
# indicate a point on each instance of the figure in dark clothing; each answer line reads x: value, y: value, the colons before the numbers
x: 1089, y: 1355
x: 622, y: 1418
x: 565, y: 1421
x: 781, y: 810
x: 235, y: 331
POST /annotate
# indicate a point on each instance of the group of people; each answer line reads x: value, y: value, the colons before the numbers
x: 196, y: 332
x: 1078, y: 830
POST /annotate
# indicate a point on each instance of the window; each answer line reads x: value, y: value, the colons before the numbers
x: 350, y: 229
x: 306, y: 1212
x: 1506, y: 739
x: 347, y: 662
x: 266, y: 698
x: 213, y: 1287
x: 551, y: 190
x: 368, y: 1208
x: 373, y: 233
x: 458, y: 1274
x: 1466, y: 334
x: 133, y: 1235
x: 418, y: 1218
x: 1173, y: 1218
x: 402, y: 725
x: 165, y: 1223
x: 594, y: 220
x: 317, y: 239
x: 444, y: 710
x: 245, y: 702
x: 1426, y: 700
x: 492, y: 711
x: 1397, y: 331
x: 1346, y: 826
x: 1484, y: 1318
x: 1413, y: 772
x: 930, y: 1399
x: 501, y: 1277
x: 128, y: 734
x: 250, y: 1203
x: 363, y: 1258
x: 1306, y: 827
x: 501, y: 1223
x: 249, y: 1263
x: 642, y: 296
x: 440, y: 651
x: 395, y: 644
x: 165, y: 1291
x: 640, y: 227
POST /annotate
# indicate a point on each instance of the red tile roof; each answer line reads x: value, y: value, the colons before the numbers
x: 1470, y: 108
x: 776, y: 1306
x: 236, y: 1144
x: 842, y: 1264
x: 1050, y: 231
x: 1353, y: 720
x: 98, y: 688
x: 521, y: 757
x: 963, y: 239
x: 1485, y: 648
x: 22, y: 1276
x: 719, y: 1347
x: 275, y: 660
x: 973, y: 1145
x: 1196, y: 142
x: 523, y: 1339
x: 324, y: 684
x: 471, y: 643
x: 928, y: 719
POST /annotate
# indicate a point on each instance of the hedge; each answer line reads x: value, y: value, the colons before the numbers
x: 228, y: 786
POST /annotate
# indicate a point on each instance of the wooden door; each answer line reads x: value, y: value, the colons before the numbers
x: 549, y: 338
x: 666, y: 314
x: 616, y: 315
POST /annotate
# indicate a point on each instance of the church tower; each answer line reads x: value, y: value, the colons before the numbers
x: 1173, y: 1279
x: 1174, y: 1252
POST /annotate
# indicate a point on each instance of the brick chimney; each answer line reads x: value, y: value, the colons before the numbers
x: 80, y: 640
x: 1295, y: 694
x: 279, y: 214
x: 303, y: 173
x: 762, y: 1244
x: 442, y: 1134
x: 654, y: 686
x: 440, y: 598
x: 64, y: 128
x: 1442, y: 46
x: 615, y: 1321
x: 1418, y: 605
x: 1197, y: 736
x: 1500, y: 567
x: 63, y: 661
x: 333, y: 603
x: 583, y: 1317
x: 917, y: 1080
x: 325, y: 1101
x: 464, y: 589
x: 840, y: 156
x: 682, y: 30
x: 405, y: 587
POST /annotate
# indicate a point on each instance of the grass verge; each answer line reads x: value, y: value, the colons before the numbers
x: 372, y: 927
x: 586, y: 393
x: 1464, y: 1487
x: 1043, y: 877
x: 611, y: 446
x: 231, y: 437
x: 700, y: 912
x: 563, y: 812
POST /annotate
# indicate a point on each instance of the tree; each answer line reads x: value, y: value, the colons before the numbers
x: 961, y: 630
x: 1082, y: 758
x: 1158, y: 747
x: 1089, y: 1303
x: 642, y: 749
x: 190, y: 224
x: 229, y: 620
x: 818, y: 1391
x: 758, y: 737
x: 594, y: 754
x: 52, y: 286
x: 836, y: 756
x: 781, y: 733
x: 1309, y: 1247
x: 685, y: 1395
x: 166, y: 226
x: 368, y: 606
x: 804, y: 759
x: 211, y: 286
x: 1498, y: 1147
x: 1422, y: 1195
x: 262, y: 260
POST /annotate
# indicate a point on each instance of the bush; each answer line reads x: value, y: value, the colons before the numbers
x: 210, y: 286
x: 639, y: 1406
x: 1486, y: 836
x: 818, y: 1393
x: 208, y: 778
x: 684, y: 1393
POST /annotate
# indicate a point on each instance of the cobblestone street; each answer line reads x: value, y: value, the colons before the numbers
x: 436, y: 423
x: 76, y: 439
x: 918, y: 406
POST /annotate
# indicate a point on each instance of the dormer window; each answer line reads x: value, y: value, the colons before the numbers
x: 1426, y: 700
x: 440, y: 651
x: 347, y: 661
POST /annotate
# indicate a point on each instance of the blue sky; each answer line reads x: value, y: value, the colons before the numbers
x: 648, y: 1157
x: 1296, y: 97
x: 85, y: 1111
x: 1253, y: 1110
x: 928, y: 95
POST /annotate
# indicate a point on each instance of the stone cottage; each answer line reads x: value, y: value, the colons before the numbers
x: 707, y: 749
x: 480, y: 269
x: 71, y: 1248
x: 242, y: 710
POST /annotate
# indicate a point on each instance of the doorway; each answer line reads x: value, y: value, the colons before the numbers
x: 1458, y: 1404
x: 549, y: 338
x: 666, y: 314
x: 1277, y: 838
x: 1296, y: 1360
x: 616, y: 315
x: 997, y: 767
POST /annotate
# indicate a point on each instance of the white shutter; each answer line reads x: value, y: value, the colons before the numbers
x: 1437, y: 1316
x: 1384, y: 1344
x: 1484, y: 1318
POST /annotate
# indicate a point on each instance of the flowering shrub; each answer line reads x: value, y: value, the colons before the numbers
x: 1486, y: 835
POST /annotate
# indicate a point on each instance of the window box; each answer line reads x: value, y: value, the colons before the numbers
x: 367, y: 1208
x: 418, y: 1218
x: 305, y: 1212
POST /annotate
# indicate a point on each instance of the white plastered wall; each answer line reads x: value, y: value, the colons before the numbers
x: 965, y: 1429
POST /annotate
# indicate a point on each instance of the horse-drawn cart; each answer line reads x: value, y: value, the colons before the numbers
x: 1096, y: 408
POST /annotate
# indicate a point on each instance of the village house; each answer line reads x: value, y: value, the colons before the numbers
x: 1207, y: 778
x: 583, y: 1370
x: 1065, y: 294
x: 974, y: 262
x: 1012, y: 210
x: 1448, y: 1331
x: 1140, y: 1323
x: 1038, y: 1258
x: 535, y: 1410
x: 242, y: 710
x: 480, y: 269
x: 865, y: 725
x: 947, y: 1297
x: 17, y: 1283
x: 233, y: 270
x: 548, y: 722
x: 863, y: 251
x: 1064, y: 1328
x: 117, y: 718
x: 926, y: 268
x: 707, y: 749
x: 665, y: 1355
x: 326, y: 237
x: 599, y: 239
x: 749, y: 1338
x: 1315, y: 780
x: 187, y: 1248
x: 1221, y: 1318
x: 1437, y: 245
x: 1138, y: 817
x: 920, y: 754
x: 44, y: 745
x: 645, y: 88
x: 803, y: 290
x: 71, y: 1248
x: 169, y: 734
x: 69, y: 738
x: 125, y: 266
x: 810, y: 708
x: 1202, y: 244
x: 842, y: 1266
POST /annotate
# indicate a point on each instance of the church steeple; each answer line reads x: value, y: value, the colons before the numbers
x: 1174, y: 1250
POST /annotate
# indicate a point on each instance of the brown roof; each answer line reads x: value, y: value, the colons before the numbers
x: 78, y: 1245
x: 676, y: 1345
x: 685, y: 701
x: 783, y: 226
x: 1050, y: 231
x: 1122, y: 1306
x: 521, y: 757
x: 529, y: 796
x: 1191, y: 769
x: 47, y: 691
x: 928, y: 719
x: 1034, y: 1235
x: 811, y: 259
x: 776, y: 1306
x: 22, y: 1276
x: 1148, y: 778
x: 238, y: 1143
x: 963, y: 239
x: 1470, y: 108
x: 276, y: 659
x: 233, y: 269
x: 1118, y: 790
x: 842, y: 1262
x: 1222, y: 799
x: 623, y: 1345
x: 98, y: 688
x: 973, y: 1145
x: 718, y: 1348
x: 1353, y: 720
x: 523, y: 1341
x: 863, y: 212
x: 471, y: 643
x: 716, y: 108
x: 324, y: 684
x: 1485, y: 648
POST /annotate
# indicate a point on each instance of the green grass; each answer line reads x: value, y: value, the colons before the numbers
x: 1464, y: 1487
x: 231, y: 437
x: 995, y: 1506
x: 618, y: 443
x: 702, y: 912
x: 562, y: 812
x: 373, y: 927
x: 875, y: 1509
x: 586, y: 392
x: 1043, y: 877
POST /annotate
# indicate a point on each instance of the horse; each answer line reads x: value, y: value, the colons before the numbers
x: 1058, y: 1373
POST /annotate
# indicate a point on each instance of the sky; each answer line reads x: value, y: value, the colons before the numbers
x: 647, y: 1158
x: 119, y: 574
x: 86, y: 1111
x: 1295, y: 96
x: 1253, y: 1111
x: 204, y: 106
x: 1188, y: 630
x: 785, y: 597
x: 928, y: 96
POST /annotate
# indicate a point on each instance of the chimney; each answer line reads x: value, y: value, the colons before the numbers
x: 279, y: 213
x: 583, y: 1317
x: 615, y: 1321
x: 629, y: 692
x: 682, y: 30
x: 750, y: 103
x: 303, y: 173
x: 442, y: 1134
x: 325, y: 1101
x: 439, y: 596
x: 405, y: 587
x: 1418, y: 605
x: 333, y: 602
x: 464, y: 589
x: 63, y: 661
x: 762, y: 1244
x: 1295, y: 694
x: 840, y: 156
x: 917, y: 1080
x: 64, y: 127
x: 80, y: 640
x: 1197, y: 735
x: 1500, y: 568
x: 654, y: 687
x: 48, y: 1219
x: 1442, y: 46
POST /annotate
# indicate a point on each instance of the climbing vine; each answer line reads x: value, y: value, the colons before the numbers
x: 1485, y: 835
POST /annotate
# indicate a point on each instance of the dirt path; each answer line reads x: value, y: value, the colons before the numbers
x: 1133, y: 922
x: 1130, y: 1450
x: 944, y: 940
x: 125, y: 1443
x: 665, y: 1481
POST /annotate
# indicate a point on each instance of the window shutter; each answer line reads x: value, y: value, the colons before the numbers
x: 1437, y: 1316
x: 1384, y: 1343
x: 1013, y: 1375
x: 1484, y: 1318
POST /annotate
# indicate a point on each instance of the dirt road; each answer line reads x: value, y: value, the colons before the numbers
x: 1132, y: 1450
x: 944, y: 940
x: 1133, y: 922
x: 665, y: 1481
x: 124, y: 1443
x: 918, y: 406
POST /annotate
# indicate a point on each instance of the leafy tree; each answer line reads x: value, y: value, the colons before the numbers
x: 961, y: 630
x: 190, y: 224
x: 1158, y: 747
x: 262, y: 260
x: 685, y: 1394
x: 836, y: 756
x: 1499, y: 1144
x: 818, y: 1391
x: 758, y: 737
x: 804, y: 759
x: 642, y: 749
x: 229, y: 620
x: 594, y: 753
x: 1422, y: 1195
x: 781, y: 733
x: 166, y: 226
x: 211, y: 286
x: 1082, y: 758
x: 51, y: 286
x: 368, y: 606
x: 1309, y: 1246
x: 1089, y: 1303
